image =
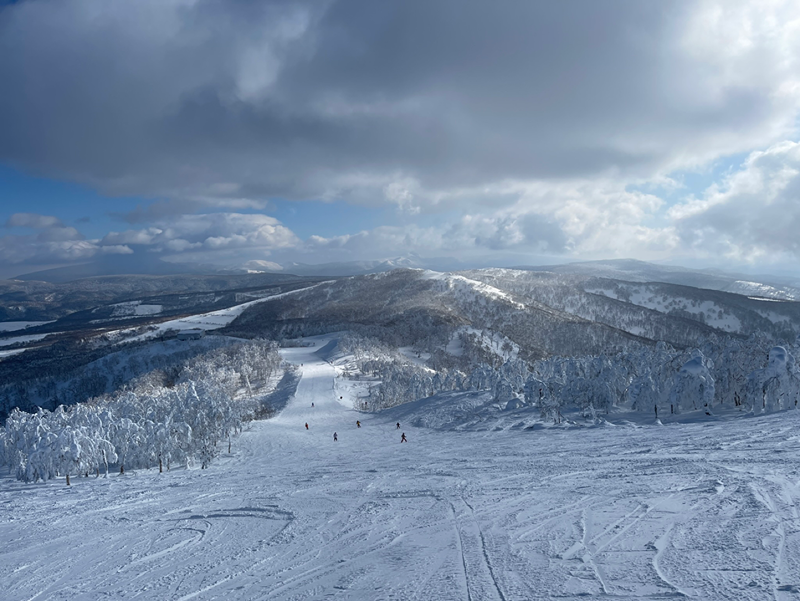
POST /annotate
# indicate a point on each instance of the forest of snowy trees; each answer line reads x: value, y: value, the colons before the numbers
x: 407, y: 335
x: 747, y: 373
x: 76, y: 373
x: 162, y: 418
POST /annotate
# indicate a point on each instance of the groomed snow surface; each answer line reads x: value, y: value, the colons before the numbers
x: 703, y: 510
x: 13, y: 326
x: 213, y: 320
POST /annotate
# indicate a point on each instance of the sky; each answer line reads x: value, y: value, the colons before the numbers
x: 240, y: 133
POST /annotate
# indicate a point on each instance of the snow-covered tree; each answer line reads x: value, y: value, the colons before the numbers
x: 694, y: 386
x: 147, y: 422
x: 776, y: 386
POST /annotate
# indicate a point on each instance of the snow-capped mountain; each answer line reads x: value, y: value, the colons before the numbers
x: 659, y: 311
x: 444, y: 320
x: 416, y: 304
x: 631, y: 270
x: 350, y: 268
x: 541, y: 312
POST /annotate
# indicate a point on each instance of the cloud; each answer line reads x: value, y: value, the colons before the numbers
x: 399, y: 103
x: 485, y: 130
x: 530, y: 232
x: 380, y: 242
x: 117, y: 249
x: 560, y: 218
x: 145, y: 236
x: 209, y: 236
x: 179, y: 206
x: 53, y: 243
x: 51, y: 229
x: 212, y: 237
x: 33, y: 220
x: 470, y: 236
x: 30, y: 250
x: 753, y: 215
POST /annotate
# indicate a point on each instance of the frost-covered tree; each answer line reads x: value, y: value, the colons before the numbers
x: 551, y: 402
x: 147, y: 422
x: 694, y: 386
x: 776, y: 386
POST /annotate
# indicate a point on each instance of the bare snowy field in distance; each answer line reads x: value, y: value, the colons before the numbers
x: 13, y: 326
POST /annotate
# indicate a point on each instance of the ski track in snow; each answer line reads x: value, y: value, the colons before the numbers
x: 704, y: 511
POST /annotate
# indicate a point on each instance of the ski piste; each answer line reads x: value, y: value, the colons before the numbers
x: 702, y: 510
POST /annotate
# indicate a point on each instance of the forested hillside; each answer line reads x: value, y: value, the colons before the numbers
x: 680, y: 315
x: 425, y: 308
x: 539, y: 345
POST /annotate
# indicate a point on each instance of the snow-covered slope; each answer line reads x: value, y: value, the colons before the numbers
x: 414, y: 305
x: 101, y: 376
x: 631, y: 270
x: 678, y: 314
x: 701, y: 511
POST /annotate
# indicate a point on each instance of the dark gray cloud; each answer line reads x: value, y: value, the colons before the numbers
x: 208, y: 101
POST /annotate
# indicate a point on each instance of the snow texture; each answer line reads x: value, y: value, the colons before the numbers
x: 213, y: 320
x: 21, y: 339
x: 12, y: 352
x: 13, y: 326
x: 134, y: 309
x: 160, y: 418
x: 695, y: 510
x: 777, y: 386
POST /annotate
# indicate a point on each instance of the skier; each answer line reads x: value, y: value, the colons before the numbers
x: 306, y: 425
x: 335, y: 438
x: 312, y: 405
x: 358, y: 423
x: 403, y: 437
x: 398, y: 425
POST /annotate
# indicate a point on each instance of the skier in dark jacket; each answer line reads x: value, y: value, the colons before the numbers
x: 398, y: 425
x: 306, y: 425
x: 403, y: 437
x: 335, y: 438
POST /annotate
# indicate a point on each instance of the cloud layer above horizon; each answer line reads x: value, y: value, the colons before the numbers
x: 569, y: 129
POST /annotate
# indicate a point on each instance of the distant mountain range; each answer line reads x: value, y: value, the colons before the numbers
x: 351, y: 268
x: 541, y: 312
x: 129, y: 265
x: 458, y: 319
x: 55, y: 293
x: 764, y: 286
x: 630, y: 270
x: 114, y: 266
